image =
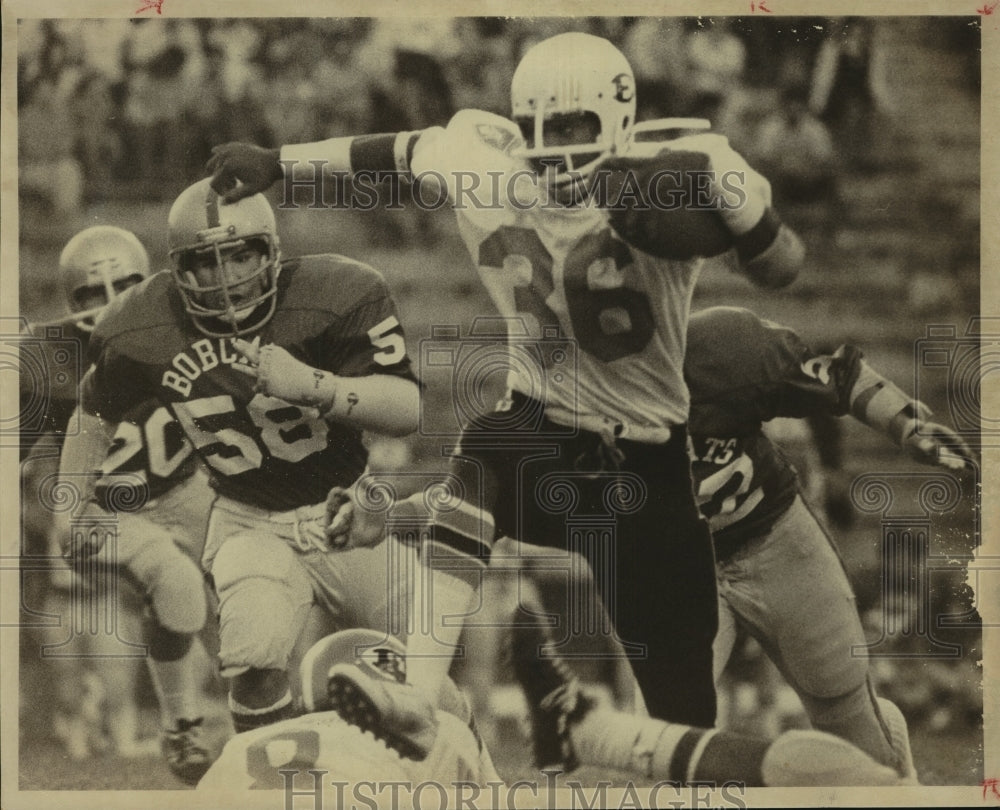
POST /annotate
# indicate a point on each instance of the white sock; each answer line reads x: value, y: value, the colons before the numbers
x: 430, y: 648
x: 176, y: 689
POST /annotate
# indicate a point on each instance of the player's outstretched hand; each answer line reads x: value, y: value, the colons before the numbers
x: 938, y: 445
x: 242, y: 169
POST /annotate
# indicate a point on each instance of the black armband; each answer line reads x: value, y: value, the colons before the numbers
x: 759, y: 238
x: 384, y: 153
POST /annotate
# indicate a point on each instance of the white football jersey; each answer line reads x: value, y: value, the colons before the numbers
x: 342, y: 753
x: 598, y: 327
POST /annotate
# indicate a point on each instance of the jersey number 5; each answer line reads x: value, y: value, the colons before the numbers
x: 610, y: 322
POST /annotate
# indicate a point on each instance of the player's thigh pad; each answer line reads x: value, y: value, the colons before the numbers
x: 791, y: 592
x: 366, y: 587
x: 264, y: 597
x: 183, y: 511
x: 166, y: 576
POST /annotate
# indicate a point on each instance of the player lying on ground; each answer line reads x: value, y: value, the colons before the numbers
x: 573, y: 270
x: 272, y: 368
x: 159, y: 535
x: 428, y: 743
x: 569, y: 730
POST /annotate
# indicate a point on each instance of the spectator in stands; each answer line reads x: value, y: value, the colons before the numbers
x: 165, y: 64
x: 716, y: 61
x: 848, y: 88
x: 47, y: 169
x: 656, y: 48
x: 795, y: 150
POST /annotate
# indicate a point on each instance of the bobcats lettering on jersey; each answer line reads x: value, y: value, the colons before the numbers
x: 336, y: 315
x: 203, y: 355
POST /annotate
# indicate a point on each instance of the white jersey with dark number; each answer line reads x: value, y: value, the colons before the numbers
x: 597, y: 326
x: 342, y: 753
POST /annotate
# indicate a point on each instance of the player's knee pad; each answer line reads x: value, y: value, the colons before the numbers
x: 825, y: 711
x: 174, y: 586
x: 165, y: 644
x: 264, y: 598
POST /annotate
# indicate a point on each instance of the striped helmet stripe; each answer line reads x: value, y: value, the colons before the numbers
x: 212, y: 208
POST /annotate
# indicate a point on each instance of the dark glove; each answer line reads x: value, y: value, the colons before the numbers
x: 241, y: 169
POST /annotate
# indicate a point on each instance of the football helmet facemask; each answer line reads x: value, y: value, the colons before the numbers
x: 573, y: 97
x: 96, y: 266
x: 198, y: 224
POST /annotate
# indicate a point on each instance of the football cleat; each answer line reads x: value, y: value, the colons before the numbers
x: 375, y: 700
x: 182, y: 747
x: 555, y: 698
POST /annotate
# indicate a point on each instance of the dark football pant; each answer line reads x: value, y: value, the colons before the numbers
x: 635, y: 521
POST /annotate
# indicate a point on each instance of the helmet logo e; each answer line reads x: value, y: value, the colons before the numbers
x: 624, y: 91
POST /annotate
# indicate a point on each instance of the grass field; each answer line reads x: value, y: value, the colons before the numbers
x: 435, y: 286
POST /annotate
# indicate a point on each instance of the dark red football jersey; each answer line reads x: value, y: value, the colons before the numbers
x: 332, y: 313
x: 743, y: 371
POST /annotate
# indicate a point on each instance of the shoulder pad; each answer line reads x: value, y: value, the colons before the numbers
x: 330, y: 282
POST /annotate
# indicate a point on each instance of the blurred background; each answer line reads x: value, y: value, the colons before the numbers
x: 868, y: 129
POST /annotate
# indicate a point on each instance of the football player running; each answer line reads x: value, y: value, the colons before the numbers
x: 272, y: 368
x: 159, y: 535
x: 780, y: 577
x: 605, y: 282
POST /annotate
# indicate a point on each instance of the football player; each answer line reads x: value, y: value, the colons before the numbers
x: 359, y: 677
x: 159, y: 535
x: 434, y: 743
x: 570, y: 728
x: 780, y: 577
x: 272, y: 368
x: 612, y: 284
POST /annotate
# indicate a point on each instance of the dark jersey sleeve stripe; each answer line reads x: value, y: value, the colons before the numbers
x: 759, y: 238
x: 678, y: 771
x: 374, y: 153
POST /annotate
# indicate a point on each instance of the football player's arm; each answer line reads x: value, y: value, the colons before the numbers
x: 883, y: 406
x: 383, y: 403
x: 83, y: 453
x: 842, y: 382
x: 768, y: 251
x: 373, y: 387
x: 242, y: 169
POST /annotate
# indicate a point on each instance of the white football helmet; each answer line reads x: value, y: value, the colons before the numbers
x: 199, y: 222
x: 97, y: 265
x: 573, y: 76
x: 359, y: 645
